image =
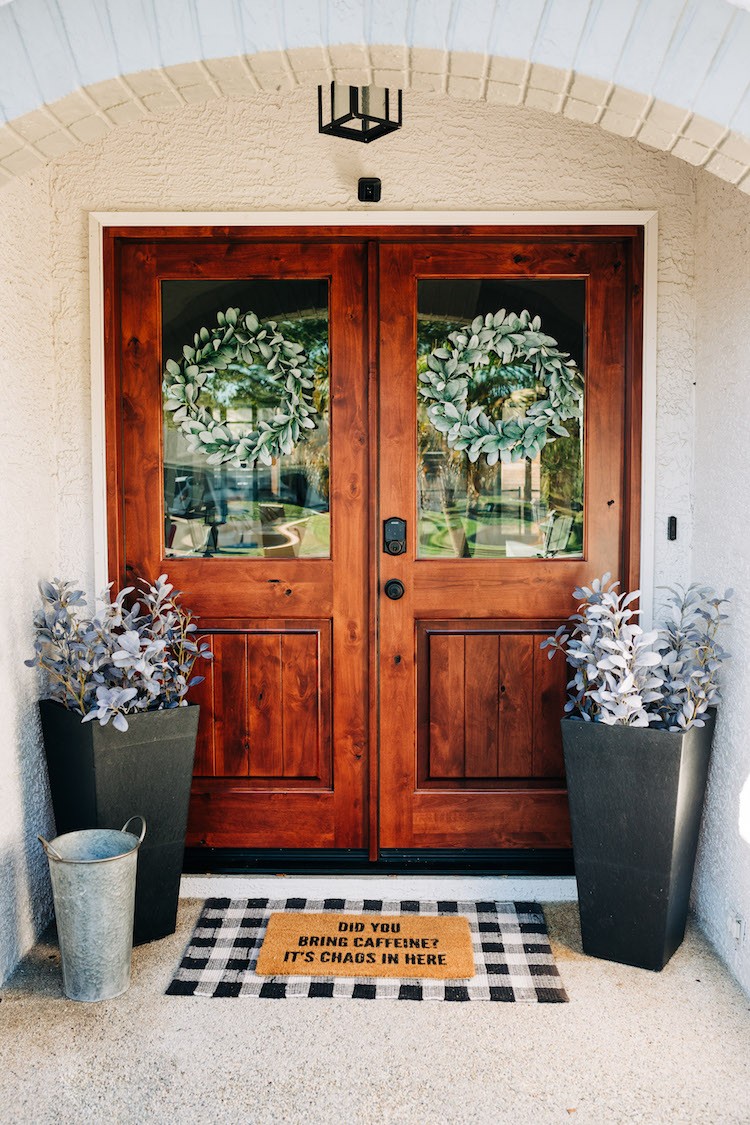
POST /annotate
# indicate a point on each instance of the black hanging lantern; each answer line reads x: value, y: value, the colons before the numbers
x: 359, y: 113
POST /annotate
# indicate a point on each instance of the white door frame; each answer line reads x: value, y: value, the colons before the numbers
x: 648, y: 220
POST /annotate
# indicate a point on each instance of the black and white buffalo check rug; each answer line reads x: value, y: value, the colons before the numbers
x: 512, y: 954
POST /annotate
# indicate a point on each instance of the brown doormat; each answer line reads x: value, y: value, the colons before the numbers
x: 360, y: 945
x: 511, y: 952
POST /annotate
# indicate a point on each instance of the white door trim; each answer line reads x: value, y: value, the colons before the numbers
x: 100, y: 220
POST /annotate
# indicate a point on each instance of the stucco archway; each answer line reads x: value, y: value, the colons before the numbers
x: 673, y: 79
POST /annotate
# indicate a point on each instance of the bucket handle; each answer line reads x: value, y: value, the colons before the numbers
x: 49, y: 849
x: 143, y: 826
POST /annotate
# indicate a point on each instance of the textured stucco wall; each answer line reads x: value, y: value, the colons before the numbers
x: 28, y: 550
x: 722, y: 549
x: 264, y: 153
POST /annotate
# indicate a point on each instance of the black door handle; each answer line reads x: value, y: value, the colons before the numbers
x: 394, y: 589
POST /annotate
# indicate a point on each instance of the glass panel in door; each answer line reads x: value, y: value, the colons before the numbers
x: 226, y: 494
x: 482, y: 492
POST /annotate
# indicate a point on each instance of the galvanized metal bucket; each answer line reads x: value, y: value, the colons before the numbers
x: 93, y: 886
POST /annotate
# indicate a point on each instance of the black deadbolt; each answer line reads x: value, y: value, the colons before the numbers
x: 394, y: 536
x: 394, y: 589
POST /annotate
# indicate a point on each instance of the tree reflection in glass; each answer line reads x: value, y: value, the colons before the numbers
x: 279, y: 510
x: 529, y: 508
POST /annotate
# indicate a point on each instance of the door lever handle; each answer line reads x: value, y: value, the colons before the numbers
x: 394, y: 589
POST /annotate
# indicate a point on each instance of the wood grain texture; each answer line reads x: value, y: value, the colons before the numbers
x: 489, y: 704
x: 447, y: 706
x: 516, y: 692
x: 550, y: 679
x: 445, y: 234
x: 350, y: 500
x: 432, y: 801
x: 274, y: 722
x: 372, y: 532
x: 203, y: 695
x: 227, y: 814
x: 499, y: 753
x: 513, y: 818
x: 300, y: 711
x: 482, y: 722
x: 265, y: 706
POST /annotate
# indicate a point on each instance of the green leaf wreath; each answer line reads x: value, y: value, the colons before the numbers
x: 515, y: 343
x: 241, y: 343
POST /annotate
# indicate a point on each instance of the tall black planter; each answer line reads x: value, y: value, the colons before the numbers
x: 100, y: 776
x: 636, y: 798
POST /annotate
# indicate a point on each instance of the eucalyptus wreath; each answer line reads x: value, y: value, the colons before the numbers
x: 516, y: 344
x: 241, y: 343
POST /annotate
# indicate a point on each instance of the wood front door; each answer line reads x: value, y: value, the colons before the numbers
x: 333, y: 715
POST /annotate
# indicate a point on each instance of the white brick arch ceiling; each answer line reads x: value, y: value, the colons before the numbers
x: 673, y: 74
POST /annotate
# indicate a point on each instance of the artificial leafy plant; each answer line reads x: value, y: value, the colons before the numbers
x: 664, y: 678
x: 122, y: 660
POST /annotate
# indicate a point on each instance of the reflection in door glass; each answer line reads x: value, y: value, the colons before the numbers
x: 246, y: 438
x: 499, y: 425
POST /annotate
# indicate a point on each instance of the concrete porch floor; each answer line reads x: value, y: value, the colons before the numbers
x: 631, y: 1046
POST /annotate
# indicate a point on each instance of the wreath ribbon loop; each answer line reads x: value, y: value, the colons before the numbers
x: 240, y: 342
x: 515, y: 343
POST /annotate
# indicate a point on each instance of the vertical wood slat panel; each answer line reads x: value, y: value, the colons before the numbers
x: 493, y: 702
x: 480, y: 704
x: 265, y: 705
x: 230, y: 704
x: 300, y: 666
x: 515, y: 705
x: 550, y: 678
x: 447, y: 705
x: 203, y: 695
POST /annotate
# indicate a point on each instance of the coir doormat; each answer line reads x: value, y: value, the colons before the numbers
x: 510, y: 947
x: 363, y: 945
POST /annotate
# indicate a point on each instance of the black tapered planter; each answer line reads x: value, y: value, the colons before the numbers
x: 99, y: 777
x: 636, y: 798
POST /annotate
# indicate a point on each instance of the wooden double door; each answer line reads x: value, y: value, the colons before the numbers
x: 374, y: 594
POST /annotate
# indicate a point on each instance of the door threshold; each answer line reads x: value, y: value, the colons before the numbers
x: 345, y: 861
x: 422, y: 887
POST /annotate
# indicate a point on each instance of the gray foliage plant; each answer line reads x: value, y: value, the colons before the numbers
x: 123, y: 659
x: 665, y: 678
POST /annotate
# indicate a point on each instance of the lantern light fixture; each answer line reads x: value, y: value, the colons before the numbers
x: 358, y: 113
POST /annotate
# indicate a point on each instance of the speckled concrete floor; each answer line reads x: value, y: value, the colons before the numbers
x: 631, y: 1046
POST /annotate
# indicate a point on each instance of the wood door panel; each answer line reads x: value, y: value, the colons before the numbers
x: 273, y: 734
x: 230, y: 711
x: 447, y: 681
x: 205, y: 749
x: 481, y: 710
x: 516, y: 818
x: 499, y: 588
x: 548, y: 703
x: 236, y: 816
x: 460, y: 657
x: 266, y: 706
x: 265, y: 719
x: 489, y: 704
x: 511, y: 257
x: 271, y: 587
x: 302, y: 705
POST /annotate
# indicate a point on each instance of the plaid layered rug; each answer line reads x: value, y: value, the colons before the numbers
x: 512, y: 954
